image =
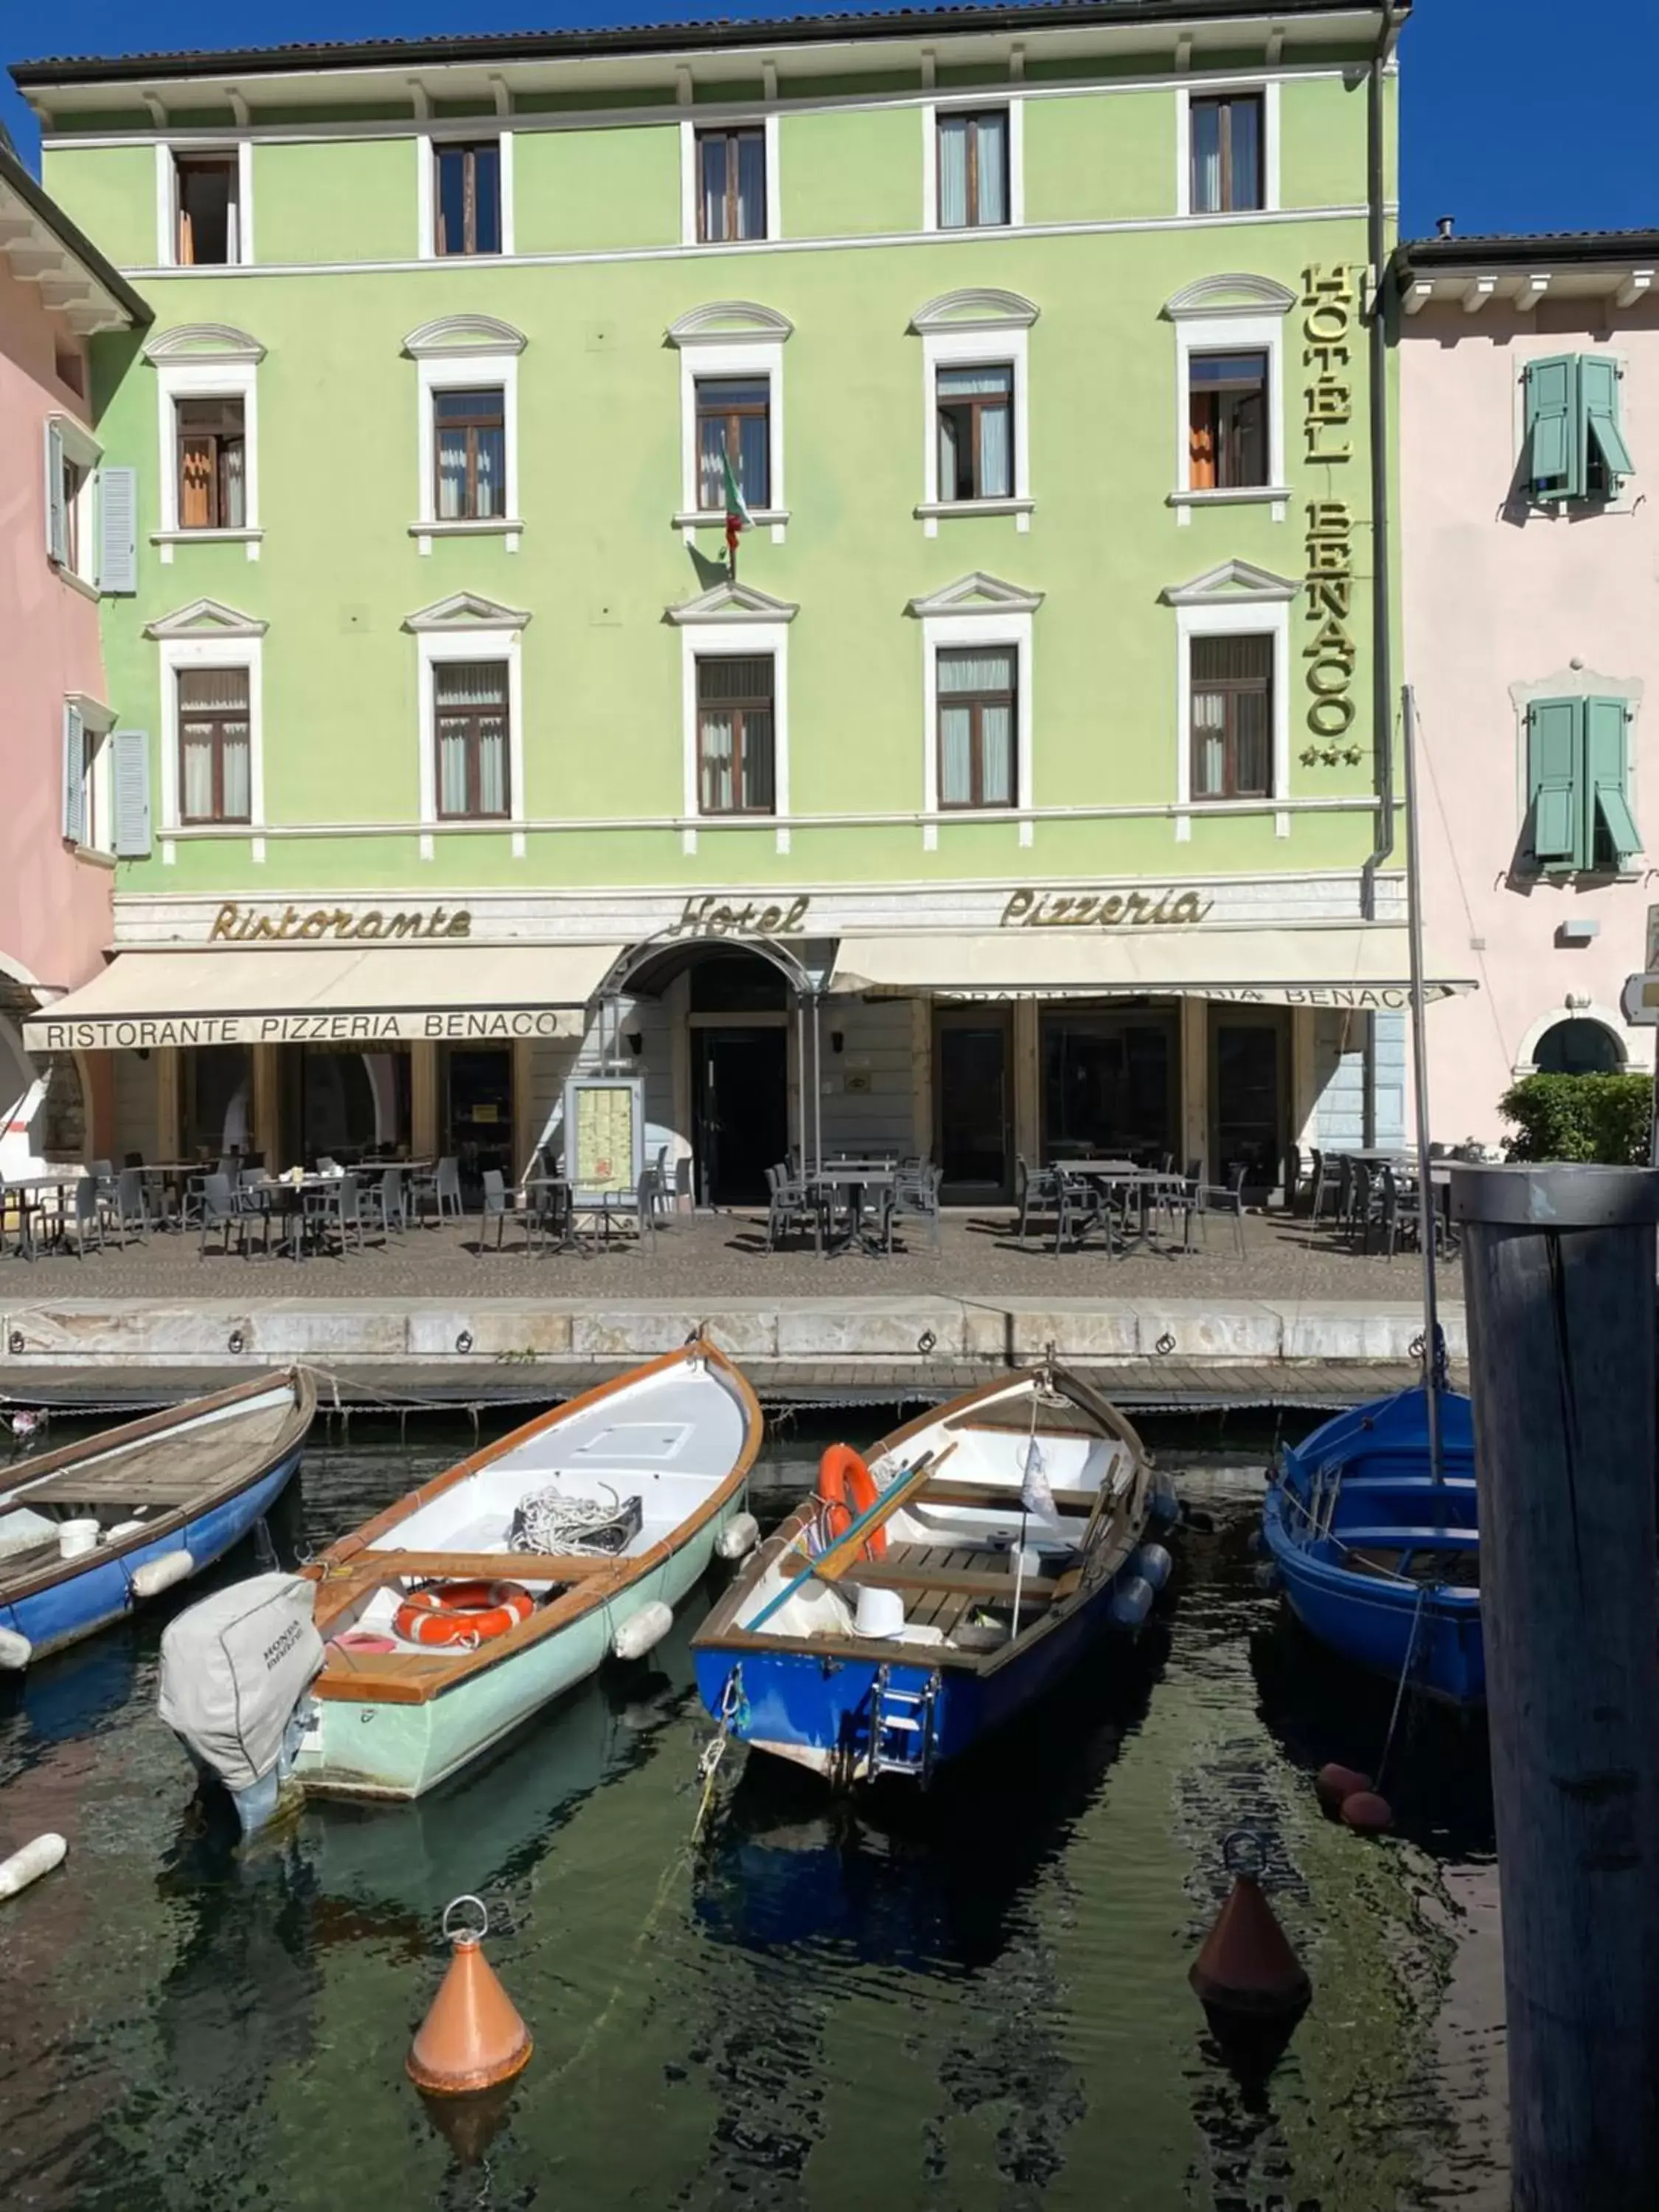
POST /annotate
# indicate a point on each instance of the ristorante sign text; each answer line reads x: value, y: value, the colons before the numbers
x: 149, y: 1032
x: 373, y: 925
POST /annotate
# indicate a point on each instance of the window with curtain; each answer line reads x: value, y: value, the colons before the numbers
x: 734, y: 420
x: 1226, y: 153
x: 73, y: 479
x: 470, y: 713
x: 730, y: 185
x: 1227, y: 421
x: 976, y: 432
x: 467, y: 200
x: 94, y: 830
x: 212, y: 464
x: 973, y: 170
x: 977, y: 701
x: 205, y: 213
x: 1232, y: 712
x: 735, y: 735
x: 214, y: 731
x: 469, y: 444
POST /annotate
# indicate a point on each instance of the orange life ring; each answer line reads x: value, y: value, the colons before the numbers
x: 462, y: 1612
x: 841, y: 1471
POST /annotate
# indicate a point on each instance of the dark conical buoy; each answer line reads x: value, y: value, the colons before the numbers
x: 1247, y: 1968
x: 472, y: 2038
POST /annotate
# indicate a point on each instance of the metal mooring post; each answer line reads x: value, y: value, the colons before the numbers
x: 1559, y: 1277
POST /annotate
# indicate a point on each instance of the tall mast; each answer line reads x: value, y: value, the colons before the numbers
x: 1426, y: 1236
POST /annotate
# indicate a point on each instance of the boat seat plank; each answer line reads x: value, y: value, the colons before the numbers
x: 1408, y: 1539
x: 373, y: 1566
x: 165, y: 1470
x: 1002, y: 1494
x: 952, y: 1581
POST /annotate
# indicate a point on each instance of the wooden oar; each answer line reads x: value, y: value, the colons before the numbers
x: 831, y: 1565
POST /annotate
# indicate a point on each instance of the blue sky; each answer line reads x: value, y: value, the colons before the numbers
x: 1509, y: 125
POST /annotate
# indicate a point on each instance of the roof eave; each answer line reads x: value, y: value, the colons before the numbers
x: 127, y: 309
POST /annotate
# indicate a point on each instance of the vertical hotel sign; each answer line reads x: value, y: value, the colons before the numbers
x: 1327, y: 326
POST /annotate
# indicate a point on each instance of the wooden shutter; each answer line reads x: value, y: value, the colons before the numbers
x: 129, y: 779
x: 74, y: 776
x: 1553, y: 751
x: 56, y: 519
x: 1554, y: 460
x: 118, y: 530
x: 1607, y: 795
x: 1598, y: 392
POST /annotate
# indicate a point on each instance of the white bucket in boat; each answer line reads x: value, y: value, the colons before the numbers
x: 77, y: 1537
x: 880, y: 1612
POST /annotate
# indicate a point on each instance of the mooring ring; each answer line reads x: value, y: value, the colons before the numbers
x: 1241, y: 1845
x: 465, y: 1934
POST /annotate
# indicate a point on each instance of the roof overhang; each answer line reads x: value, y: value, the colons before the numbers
x: 43, y: 248
x: 1621, y: 268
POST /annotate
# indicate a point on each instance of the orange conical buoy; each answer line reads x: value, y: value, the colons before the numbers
x: 1333, y: 1783
x: 1367, y: 1814
x: 472, y: 2038
x: 1246, y: 1966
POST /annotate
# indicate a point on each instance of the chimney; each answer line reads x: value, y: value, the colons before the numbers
x: 1445, y: 224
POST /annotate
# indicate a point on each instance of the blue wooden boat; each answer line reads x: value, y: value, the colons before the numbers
x: 1379, y: 1560
x: 89, y: 1532
x: 998, y: 1575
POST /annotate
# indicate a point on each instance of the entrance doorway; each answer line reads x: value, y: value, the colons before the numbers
x: 740, y: 1110
x: 1109, y: 1084
x: 972, y: 1059
x: 1249, y: 1059
x: 477, y: 1097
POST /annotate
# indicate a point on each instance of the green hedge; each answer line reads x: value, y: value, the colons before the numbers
x: 1580, y: 1117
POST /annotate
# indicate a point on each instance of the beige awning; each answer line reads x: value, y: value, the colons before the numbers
x: 326, y: 995
x: 1363, y: 966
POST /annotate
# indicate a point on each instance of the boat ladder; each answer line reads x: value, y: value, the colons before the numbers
x: 901, y: 1727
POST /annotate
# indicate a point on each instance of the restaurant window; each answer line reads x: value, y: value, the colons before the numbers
x: 973, y: 170
x: 1227, y: 421
x: 476, y: 1087
x: 467, y: 198
x: 1232, y: 686
x: 469, y: 448
x: 734, y: 423
x: 976, y: 432
x: 216, y: 1098
x: 213, y: 736
x: 471, y: 715
x: 207, y: 210
x: 343, y: 1104
x: 977, y: 718
x: 1109, y: 1085
x: 1226, y: 136
x: 736, y: 729
x: 212, y: 446
x: 730, y: 185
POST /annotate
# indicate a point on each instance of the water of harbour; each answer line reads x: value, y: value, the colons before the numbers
x: 975, y: 2001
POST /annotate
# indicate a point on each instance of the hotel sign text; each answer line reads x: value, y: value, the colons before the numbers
x: 1327, y: 309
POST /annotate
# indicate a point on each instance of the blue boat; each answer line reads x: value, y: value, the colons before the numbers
x: 1380, y: 1560
x: 974, y: 1594
x: 89, y: 1532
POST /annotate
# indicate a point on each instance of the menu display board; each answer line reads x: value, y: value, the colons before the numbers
x: 603, y: 1134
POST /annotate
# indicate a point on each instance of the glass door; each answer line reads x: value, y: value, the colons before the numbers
x: 1250, y: 1058
x: 478, y: 1096
x: 973, y: 1109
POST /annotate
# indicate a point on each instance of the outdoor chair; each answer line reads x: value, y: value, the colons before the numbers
x: 630, y: 1209
x: 1037, y: 1192
x: 1293, y: 1178
x: 218, y: 1208
x: 1207, y: 1200
x: 914, y: 1196
x: 498, y: 1207
x: 388, y: 1201
x: 126, y: 1209
x: 337, y: 1214
x: 1324, y: 1187
x: 790, y: 1206
x: 442, y: 1189
x: 1078, y: 1206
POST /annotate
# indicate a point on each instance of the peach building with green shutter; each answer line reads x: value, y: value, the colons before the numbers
x: 1025, y: 792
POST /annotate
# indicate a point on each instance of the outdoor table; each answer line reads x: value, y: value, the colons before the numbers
x: 567, y: 1239
x: 856, y: 1178
x: 26, y: 1189
x: 269, y: 1188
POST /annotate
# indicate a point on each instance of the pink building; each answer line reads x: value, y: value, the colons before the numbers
x: 1530, y: 548
x: 66, y: 535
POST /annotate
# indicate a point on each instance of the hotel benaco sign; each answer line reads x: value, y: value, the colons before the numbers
x: 1327, y: 338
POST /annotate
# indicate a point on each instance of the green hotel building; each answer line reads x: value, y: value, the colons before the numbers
x: 1020, y: 787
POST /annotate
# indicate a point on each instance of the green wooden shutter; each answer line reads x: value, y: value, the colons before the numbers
x: 130, y: 783
x: 1598, y: 392
x: 1607, y: 795
x: 1553, y: 801
x: 118, y: 531
x: 74, y: 770
x: 56, y: 519
x: 1554, y: 451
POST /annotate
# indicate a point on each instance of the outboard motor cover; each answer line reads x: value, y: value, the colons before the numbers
x: 235, y: 1666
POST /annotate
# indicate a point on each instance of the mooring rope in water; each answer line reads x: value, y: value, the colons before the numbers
x: 1405, y: 1674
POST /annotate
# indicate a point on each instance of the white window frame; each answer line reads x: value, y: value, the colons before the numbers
x: 719, y: 637
x: 468, y: 133
x: 987, y: 345
x: 213, y: 652
x: 689, y: 126
x: 702, y: 359
x: 97, y: 794
x: 963, y: 632
x: 482, y: 643
x: 1267, y: 88
x: 168, y: 151
x: 974, y: 104
x: 1226, y: 332
x: 465, y: 372
x: 207, y: 379
x: 1245, y: 618
x: 82, y: 451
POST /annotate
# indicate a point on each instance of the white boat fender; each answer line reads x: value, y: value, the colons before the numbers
x: 1153, y: 1565
x: 123, y: 1529
x: 158, y: 1575
x: 1132, y: 1601
x: 642, y: 1630
x: 1163, y: 1505
x: 31, y: 1863
x: 739, y: 1538
x: 16, y: 1650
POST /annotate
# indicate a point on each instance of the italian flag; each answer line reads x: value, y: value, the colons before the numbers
x: 738, y: 517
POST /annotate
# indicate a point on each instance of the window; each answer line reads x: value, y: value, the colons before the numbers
x: 467, y: 198
x: 71, y: 455
x: 735, y: 732
x: 87, y: 725
x: 214, y: 733
x: 94, y: 827
x: 976, y: 432
x: 1232, y: 719
x: 731, y: 185
x: 207, y: 210
x: 1574, y: 441
x: 1227, y: 421
x: 212, y: 464
x: 469, y: 444
x: 734, y: 423
x: 978, y: 712
x: 973, y: 170
x: 1578, y: 1047
x: 470, y: 713
x: 1577, y: 785
x: 1227, y: 135
x: 73, y: 479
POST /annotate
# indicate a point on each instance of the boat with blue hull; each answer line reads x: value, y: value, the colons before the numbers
x: 89, y: 1532
x: 975, y: 1592
x: 1379, y: 1555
